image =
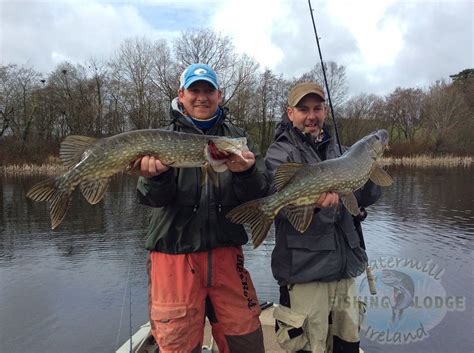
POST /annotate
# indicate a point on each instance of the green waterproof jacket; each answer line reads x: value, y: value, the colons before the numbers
x: 189, y: 211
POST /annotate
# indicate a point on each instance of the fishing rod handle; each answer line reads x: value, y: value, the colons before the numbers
x: 371, y: 280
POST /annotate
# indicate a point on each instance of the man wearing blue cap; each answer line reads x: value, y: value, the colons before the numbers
x: 196, y: 265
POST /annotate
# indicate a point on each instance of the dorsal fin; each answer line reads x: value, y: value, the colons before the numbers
x: 73, y: 147
x: 284, y: 173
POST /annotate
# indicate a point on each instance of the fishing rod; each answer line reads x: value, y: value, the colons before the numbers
x: 368, y: 270
x: 325, y: 78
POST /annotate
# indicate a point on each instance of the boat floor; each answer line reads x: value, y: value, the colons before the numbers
x: 143, y: 341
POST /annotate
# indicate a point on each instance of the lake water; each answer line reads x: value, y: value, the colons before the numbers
x: 67, y: 290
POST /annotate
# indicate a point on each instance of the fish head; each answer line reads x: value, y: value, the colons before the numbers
x: 219, y: 149
x: 377, y: 143
x: 391, y: 278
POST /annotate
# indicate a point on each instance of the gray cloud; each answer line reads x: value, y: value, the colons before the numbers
x: 437, y: 36
x: 437, y: 42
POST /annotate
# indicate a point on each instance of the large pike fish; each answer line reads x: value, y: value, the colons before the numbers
x: 92, y: 162
x: 300, y: 185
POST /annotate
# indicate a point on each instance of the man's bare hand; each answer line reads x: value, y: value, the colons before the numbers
x: 327, y: 199
x: 237, y: 163
x: 149, y: 166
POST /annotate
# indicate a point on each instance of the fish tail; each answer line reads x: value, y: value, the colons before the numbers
x: 252, y: 214
x: 59, y: 200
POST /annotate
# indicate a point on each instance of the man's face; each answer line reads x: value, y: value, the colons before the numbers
x: 309, y: 114
x: 200, y: 100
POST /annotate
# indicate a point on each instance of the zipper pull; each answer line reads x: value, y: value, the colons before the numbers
x: 219, y: 208
x: 195, y: 208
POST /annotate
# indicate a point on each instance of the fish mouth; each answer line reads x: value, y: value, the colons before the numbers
x: 215, y: 153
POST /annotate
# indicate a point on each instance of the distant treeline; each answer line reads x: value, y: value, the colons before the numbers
x: 134, y: 88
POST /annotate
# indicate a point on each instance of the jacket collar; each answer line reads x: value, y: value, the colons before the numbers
x: 181, y: 119
x: 298, y: 138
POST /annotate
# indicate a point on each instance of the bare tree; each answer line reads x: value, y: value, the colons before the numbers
x: 404, y: 109
x: 336, y: 77
x: 207, y: 47
x: 270, y: 97
x: 98, y: 73
x: 18, y: 106
x: 132, y: 72
x: 165, y: 73
x: 361, y: 114
x: 243, y: 74
x: 445, y: 111
x: 6, y: 97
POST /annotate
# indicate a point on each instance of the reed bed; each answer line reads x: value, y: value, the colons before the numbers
x: 428, y: 161
x: 33, y: 169
x: 53, y: 165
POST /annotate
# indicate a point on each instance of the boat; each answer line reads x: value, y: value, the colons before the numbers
x: 143, y: 342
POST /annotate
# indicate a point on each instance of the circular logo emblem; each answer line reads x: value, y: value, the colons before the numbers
x: 200, y: 71
x: 410, y: 300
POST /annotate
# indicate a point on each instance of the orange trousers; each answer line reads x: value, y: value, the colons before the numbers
x: 184, y: 288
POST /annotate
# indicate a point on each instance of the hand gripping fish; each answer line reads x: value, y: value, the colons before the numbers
x: 300, y: 185
x: 92, y: 162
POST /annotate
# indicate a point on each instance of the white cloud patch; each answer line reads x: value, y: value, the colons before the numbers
x: 42, y: 34
x: 251, y: 25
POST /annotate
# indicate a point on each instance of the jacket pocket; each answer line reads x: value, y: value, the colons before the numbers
x: 290, y: 333
x: 312, y: 257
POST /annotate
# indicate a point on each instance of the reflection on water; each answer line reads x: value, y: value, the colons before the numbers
x: 65, y: 290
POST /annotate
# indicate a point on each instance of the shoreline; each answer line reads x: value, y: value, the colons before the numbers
x: 428, y: 161
x: 418, y: 161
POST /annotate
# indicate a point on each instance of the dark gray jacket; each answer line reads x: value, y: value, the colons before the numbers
x: 330, y: 248
x: 189, y: 215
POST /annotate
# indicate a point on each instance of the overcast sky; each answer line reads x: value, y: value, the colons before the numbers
x: 384, y: 44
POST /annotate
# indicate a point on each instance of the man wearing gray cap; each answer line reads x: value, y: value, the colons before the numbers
x: 196, y: 265
x: 319, y: 308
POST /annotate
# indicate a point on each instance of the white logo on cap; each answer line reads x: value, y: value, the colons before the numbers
x: 200, y: 71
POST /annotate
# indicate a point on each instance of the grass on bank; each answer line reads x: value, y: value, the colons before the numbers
x: 53, y: 165
x: 428, y: 161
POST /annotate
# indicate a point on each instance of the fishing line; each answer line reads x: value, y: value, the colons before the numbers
x: 325, y: 78
x: 129, y: 287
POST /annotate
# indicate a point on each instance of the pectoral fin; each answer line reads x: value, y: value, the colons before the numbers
x: 94, y: 190
x: 350, y: 202
x: 299, y: 216
x: 380, y: 176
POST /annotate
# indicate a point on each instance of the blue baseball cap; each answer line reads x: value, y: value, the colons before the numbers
x: 198, y: 72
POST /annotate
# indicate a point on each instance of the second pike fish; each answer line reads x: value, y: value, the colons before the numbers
x: 92, y: 162
x: 300, y: 185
